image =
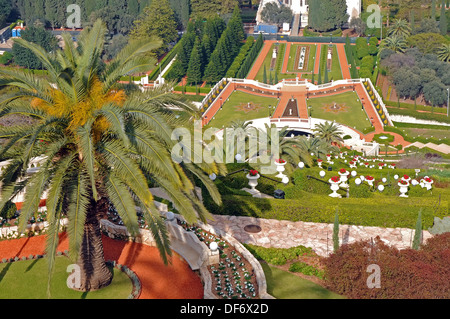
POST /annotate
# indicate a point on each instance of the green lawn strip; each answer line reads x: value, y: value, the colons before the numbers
x: 27, y: 279
x: 292, y: 55
x: 284, y: 285
x: 229, y: 113
x: 335, y: 73
x: 259, y: 76
x: 354, y: 117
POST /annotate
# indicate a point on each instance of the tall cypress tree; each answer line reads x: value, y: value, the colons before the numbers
x: 319, y: 79
x: 325, y: 77
x: 418, y: 232
x: 194, y: 71
x: 336, y: 232
x: 433, y: 9
x: 264, y: 75
x: 443, y: 20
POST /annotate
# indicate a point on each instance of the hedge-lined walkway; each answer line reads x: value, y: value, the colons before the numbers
x: 174, y: 281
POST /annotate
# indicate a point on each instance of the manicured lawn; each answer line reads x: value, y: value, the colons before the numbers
x: 231, y: 111
x: 311, y: 57
x: 353, y: 115
x: 284, y: 285
x: 28, y: 280
x: 259, y: 76
x: 335, y: 73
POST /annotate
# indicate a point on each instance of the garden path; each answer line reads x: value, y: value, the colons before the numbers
x: 173, y: 281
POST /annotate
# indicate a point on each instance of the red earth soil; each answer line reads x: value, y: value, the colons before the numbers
x: 173, y: 281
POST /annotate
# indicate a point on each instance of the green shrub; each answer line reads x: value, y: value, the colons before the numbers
x: 279, y: 256
x: 306, y: 269
x: 9, y: 210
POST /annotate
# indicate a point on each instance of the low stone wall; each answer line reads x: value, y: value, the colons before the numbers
x: 319, y: 237
x: 259, y: 272
x: 116, y: 231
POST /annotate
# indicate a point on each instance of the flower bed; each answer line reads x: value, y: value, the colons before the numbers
x: 233, y: 277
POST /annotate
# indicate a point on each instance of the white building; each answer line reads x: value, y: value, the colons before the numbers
x: 300, y: 7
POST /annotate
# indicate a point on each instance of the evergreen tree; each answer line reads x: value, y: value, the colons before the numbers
x: 325, y: 15
x: 264, y: 75
x: 194, y: 71
x: 276, y: 78
x: 270, y: 78
x: 433, y: 9
x: 319, y: 79
x: 336, y: 232
x: 412, y: 21
x: 325, y: 77
x: 157, y: 20
x: 443, y: 20
x: 418, y: 232
x: 312, y: 78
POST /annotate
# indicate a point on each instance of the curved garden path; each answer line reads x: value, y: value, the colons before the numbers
x: 174, y: 281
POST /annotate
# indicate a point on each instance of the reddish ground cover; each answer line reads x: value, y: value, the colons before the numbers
x: 174, y: 281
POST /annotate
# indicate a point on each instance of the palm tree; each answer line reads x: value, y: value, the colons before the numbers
x: 103, y: 147
x: 289, y: 148
x: 329, y: 132
x: 395, y: 43
x: 444, y: 52
x: 315, y: 145
x: 400, y: 28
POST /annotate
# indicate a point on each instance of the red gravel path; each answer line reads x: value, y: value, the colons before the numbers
x: 174, y: 281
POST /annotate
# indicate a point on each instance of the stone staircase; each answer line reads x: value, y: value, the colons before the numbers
x: 442, y: 148
x: 295, y: 25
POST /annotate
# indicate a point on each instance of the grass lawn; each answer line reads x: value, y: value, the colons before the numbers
x: 335, y: 73
x: 353, y: 115
x: 427, y: 133
x: 259, y: 76
x: 284, y: 285
x: 28, y: 280
x: 311, y: 58
x: 231, y: 111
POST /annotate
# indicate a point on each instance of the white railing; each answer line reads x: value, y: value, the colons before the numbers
x: 380, y: 101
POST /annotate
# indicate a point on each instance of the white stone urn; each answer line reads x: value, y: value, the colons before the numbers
x: 406, y: 178
x: 319, y: 163
x: 427, y: 182
x: 369, y: 180
x: 343, y: 173
x: 352, y: 164
x: 403, y: 184
x: 334, y: 186
x: 253, y: 180
x: 280, y: 167
x: 328, y: 158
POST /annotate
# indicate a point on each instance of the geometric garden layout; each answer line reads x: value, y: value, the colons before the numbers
x: 329, y: 201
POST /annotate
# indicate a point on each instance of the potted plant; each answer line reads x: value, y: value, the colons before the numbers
x: 403, y: 187
x: 380, y: 165
x: 352, y: 164
x: 343, y: 173
x: 369, y: 180
x: 280, y: 167
x: 427, y: 182
x: 252, y: 177
x: 319, y: 162
x: 406, y: 178
x: 334, y: 181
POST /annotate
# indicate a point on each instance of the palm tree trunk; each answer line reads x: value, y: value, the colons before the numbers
x: 94, y: 272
